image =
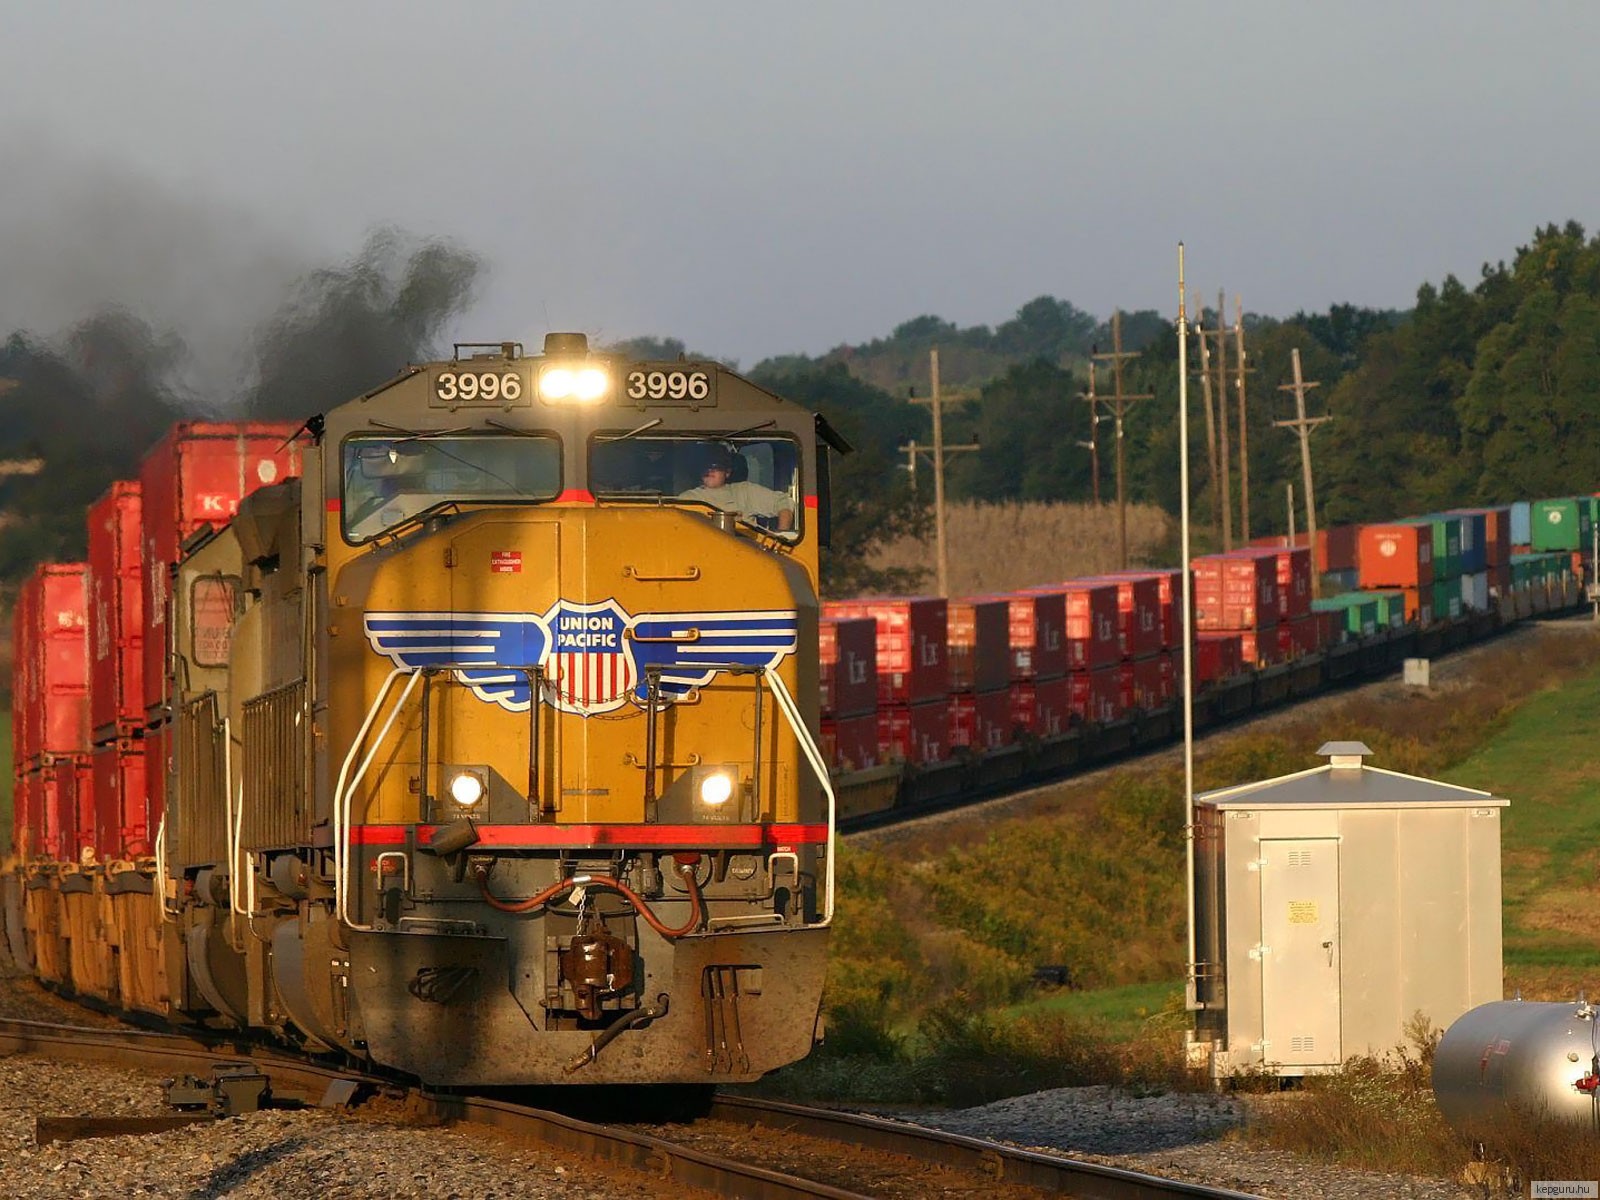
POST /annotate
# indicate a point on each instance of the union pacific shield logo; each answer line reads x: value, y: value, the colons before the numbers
x: 592, y: 657
x: 589, y: 666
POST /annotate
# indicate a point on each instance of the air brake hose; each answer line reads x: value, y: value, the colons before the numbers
x: 542, y: 898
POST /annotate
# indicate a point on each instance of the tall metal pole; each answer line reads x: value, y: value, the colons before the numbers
x: 938, y: 476
x: 1303, y: 426
x: 1222, y: 423
x: 1244, y: 424
x: 1190, y: 987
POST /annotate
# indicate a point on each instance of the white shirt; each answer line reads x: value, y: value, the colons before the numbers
x: 750, y: 499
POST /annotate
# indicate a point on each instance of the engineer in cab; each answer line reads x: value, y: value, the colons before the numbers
x: 719, y: 489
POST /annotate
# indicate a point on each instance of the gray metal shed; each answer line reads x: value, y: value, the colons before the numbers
x: 1334, y: 904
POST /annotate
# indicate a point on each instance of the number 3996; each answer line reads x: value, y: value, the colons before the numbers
x: 668, y: 385
x: 478, y: 385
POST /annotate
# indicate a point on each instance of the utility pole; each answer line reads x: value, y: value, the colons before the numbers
x: 1288, y: 489
x: 939, y: 450
x: 1211, y: 419
x: 1093, y: 444
x: 1221, y: 334
x: 1244, y: 424
x: 1119, y: 402
x: 1303, y: 425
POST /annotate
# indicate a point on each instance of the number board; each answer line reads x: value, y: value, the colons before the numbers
x: 648, y: 385
x: 492, y: 385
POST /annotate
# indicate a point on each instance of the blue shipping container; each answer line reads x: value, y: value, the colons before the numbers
x: 1522, y: 523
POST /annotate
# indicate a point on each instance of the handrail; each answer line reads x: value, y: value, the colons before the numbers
x: 819, y: 767
x: 161, y: 869
x: 231, y: 835
x: 344, y: 792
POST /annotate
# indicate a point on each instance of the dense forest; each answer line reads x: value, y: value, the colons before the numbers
x: 1477, y: 394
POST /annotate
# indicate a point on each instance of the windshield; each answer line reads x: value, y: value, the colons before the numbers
x: 388, y: 480
x: 757, y: 478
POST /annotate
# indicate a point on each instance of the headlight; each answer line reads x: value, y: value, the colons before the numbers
x: 716, y: 790
x: 466, y: 789
x: 584, y: 385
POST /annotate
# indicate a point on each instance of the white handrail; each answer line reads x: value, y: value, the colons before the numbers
x: 231, y: 836
x: 813, y: 753
x: 161, y: 869
x: 341, y: 802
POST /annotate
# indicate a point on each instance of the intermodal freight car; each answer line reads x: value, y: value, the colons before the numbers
x: 467, y: 729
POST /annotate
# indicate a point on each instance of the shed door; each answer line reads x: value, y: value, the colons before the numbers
x: 1300, y: 951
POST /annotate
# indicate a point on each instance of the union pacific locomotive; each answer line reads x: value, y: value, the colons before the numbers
x: 481, y: 738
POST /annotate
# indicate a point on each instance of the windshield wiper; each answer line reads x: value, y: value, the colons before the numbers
x: 622, y: 437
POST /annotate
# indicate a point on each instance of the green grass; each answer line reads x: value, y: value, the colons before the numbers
x: 1547, y: 762
x: 1125, y: 1013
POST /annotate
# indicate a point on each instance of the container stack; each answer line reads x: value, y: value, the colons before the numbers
x: 979, y: 631
x: 1298, y: 631
x: 1038, y: 690
x: 1094, y: 648
x: 1400, y: 556
x: 1565, y: 525
x: 1169, y: 586
x: 847, y: 670
x: 51, y: 714
x: 1480, y: 537
x: 1144, y: 674
x: 1236, y: 593
x: 116, y: 673
x: 1446, y: 532
x: 913, y: 673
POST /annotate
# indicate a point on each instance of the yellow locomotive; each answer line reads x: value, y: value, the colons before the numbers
x: 492, y: 753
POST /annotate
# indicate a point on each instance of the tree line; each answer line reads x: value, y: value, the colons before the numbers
x: 1476, y: 394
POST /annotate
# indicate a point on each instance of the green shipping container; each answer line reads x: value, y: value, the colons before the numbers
x: 1357, y: 613
x: 1565, y: 524
x: 1446, y: 599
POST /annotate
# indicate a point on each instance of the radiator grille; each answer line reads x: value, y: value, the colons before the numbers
x: 202, y: 794
x: 274, y: 769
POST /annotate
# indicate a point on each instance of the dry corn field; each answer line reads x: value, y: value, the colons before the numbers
x: 1001, y: 547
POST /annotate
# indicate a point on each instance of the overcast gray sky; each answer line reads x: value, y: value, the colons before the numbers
x: 758, y: 178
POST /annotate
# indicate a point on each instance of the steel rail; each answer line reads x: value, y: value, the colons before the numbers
x: 1007, y: 1164
x: 173, y: 1053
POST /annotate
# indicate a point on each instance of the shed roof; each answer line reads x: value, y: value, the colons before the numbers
x: 1349, y: 787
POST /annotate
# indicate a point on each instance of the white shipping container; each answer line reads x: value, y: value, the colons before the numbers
x: 1475, y: 592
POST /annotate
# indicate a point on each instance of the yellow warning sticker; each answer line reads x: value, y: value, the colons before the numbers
x: 1302, y: 912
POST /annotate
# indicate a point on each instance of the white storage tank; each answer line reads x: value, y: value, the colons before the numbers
x: 1333, y: 905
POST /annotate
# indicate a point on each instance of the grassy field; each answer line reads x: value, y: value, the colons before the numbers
x: 1000, y: 547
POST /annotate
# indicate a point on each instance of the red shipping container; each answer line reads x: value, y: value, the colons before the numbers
x: 1396, y: 556
x: 981, y: 720
x: 1238, y: 590
x: 1095, y: 696
x: 1217, y: 656
x: 1259, y: 648
x: 1169, y: 582
x: 979, y: 633
x: 116, y: 610
x: 1042, y: 707
x: 194, y: 477
x: 1328, y: 628
x: 1138, y: 613
x: 1299, y: 637
x: 1125, y: 700
x: 53, y: 800
x: 57, y: 702
x: 25, y: 710
x: 911, y: 635
x: 915, y: 733
x: 1038, y: 635
x: 847, y: 666
x: 1337, y: 549
x: 851, y: 743
x: 122, y: 824
x: 1092, y: 623
x: 75, y: 804
x: 1152, y: 681
x: 1294, y: 584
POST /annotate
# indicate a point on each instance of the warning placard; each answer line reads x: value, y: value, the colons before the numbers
x: 506, y: 562
x: 1302, y: 912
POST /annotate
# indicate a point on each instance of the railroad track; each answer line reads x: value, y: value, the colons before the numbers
x: 992, y: 1169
